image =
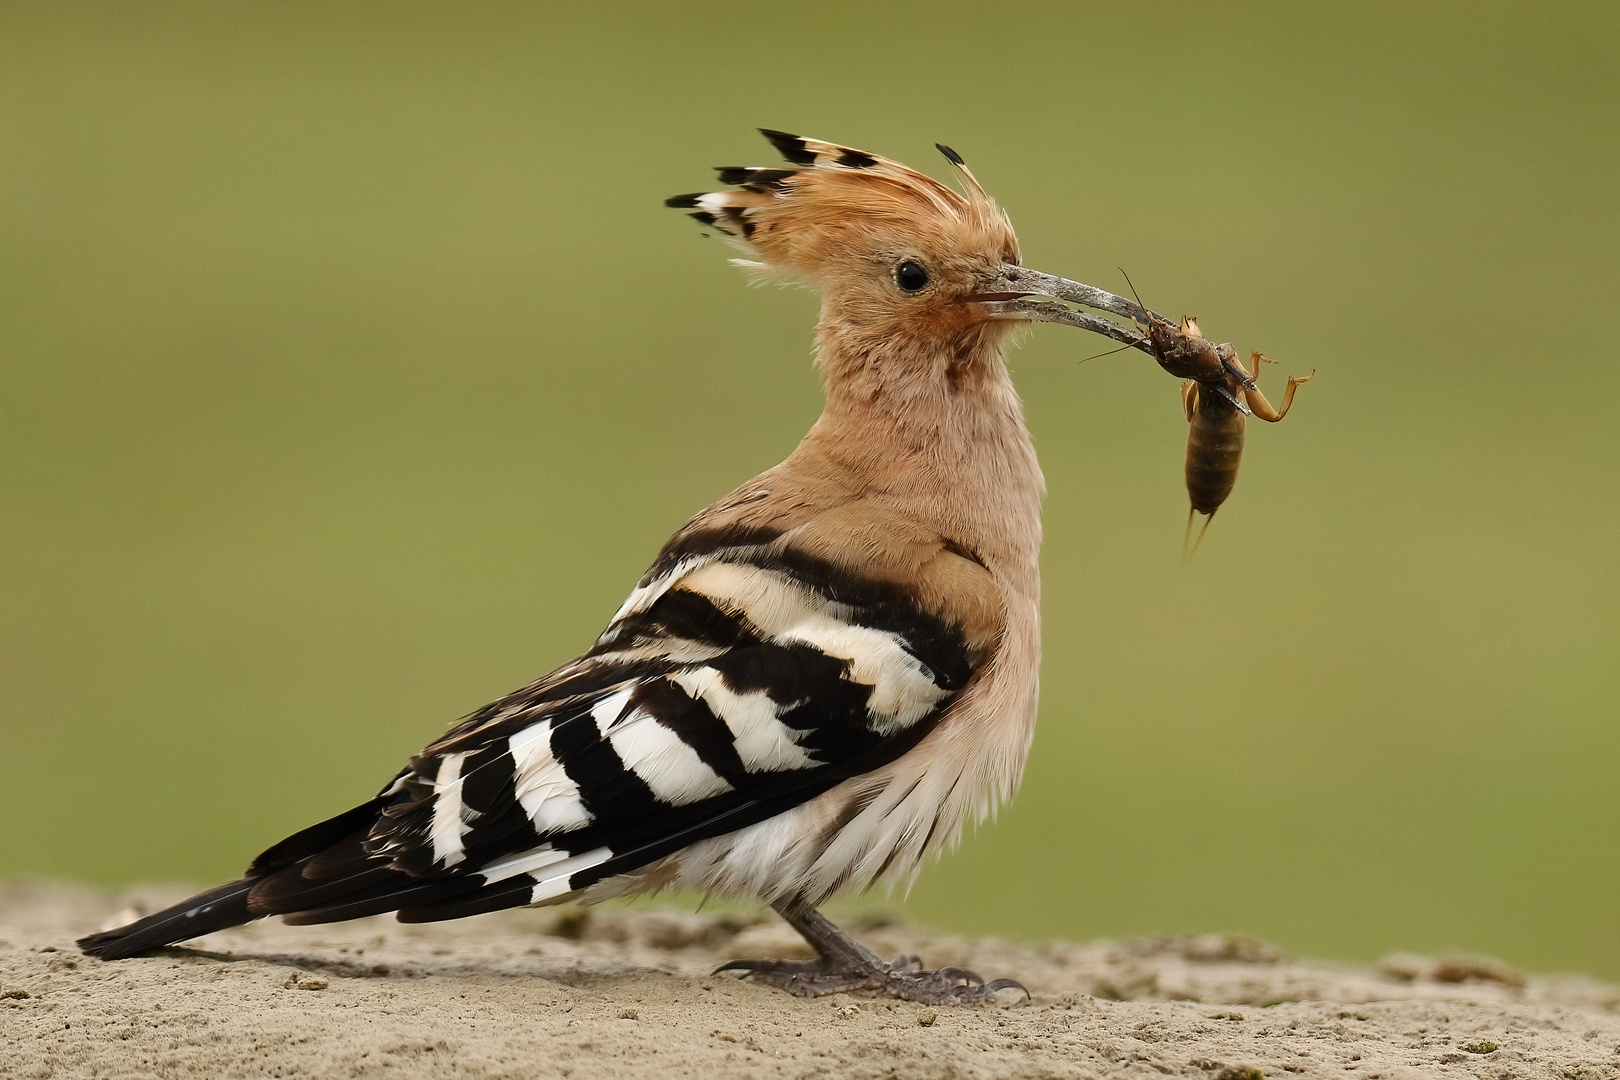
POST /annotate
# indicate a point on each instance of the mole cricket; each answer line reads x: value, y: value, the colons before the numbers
x: 1217, y: 392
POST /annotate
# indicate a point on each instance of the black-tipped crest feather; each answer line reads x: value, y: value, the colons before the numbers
x: 791, y: 147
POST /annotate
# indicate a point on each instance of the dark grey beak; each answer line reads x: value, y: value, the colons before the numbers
x: 1031, y: 296
x: 1183, y: 351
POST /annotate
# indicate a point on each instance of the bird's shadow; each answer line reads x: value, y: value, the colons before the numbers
x: 575, y: 972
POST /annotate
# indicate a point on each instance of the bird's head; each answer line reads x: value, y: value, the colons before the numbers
x: 898, y: 256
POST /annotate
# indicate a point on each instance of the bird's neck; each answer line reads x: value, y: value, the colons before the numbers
x: 934, y: 428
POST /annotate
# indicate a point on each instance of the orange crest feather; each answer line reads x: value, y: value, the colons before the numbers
x: 803, y: 219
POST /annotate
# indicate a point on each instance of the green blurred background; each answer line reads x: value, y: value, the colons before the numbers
x: 351, y: 372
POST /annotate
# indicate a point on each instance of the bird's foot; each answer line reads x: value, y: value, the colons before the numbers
x: 902, y: 979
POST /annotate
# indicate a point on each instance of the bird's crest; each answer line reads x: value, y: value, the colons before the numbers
x: 794, y: 219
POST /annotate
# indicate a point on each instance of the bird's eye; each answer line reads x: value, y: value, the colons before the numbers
x: 910, y: 277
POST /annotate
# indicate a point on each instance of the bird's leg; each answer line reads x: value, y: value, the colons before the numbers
x: 845, y: 964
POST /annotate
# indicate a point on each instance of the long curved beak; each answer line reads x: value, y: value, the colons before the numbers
x: 1017, y: 292
x: 1031, y: 296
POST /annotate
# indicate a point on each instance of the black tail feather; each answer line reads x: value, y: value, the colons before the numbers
x: 276, y: 882
x: 287, y: 891
x: 497, y: 897
x: 202, y: 914
x: 384, y: 897
x: 315, y: 839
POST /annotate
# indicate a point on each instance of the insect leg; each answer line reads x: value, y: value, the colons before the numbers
x: 1257, y: 401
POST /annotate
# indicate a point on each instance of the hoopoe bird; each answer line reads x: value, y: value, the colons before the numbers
x: 823, y: 678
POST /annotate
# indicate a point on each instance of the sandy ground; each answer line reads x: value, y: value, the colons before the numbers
x: 612, y: 993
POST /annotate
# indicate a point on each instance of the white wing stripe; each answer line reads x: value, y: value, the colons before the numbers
x: 773, y: 602
x: 667, y: 765
x: 645, y: 596
x: 553, y: 880
x: 448, y: 828
x: 524, y: 862
x: 763, y: 742
x: 903, y: 690
x: 543, y: 788
x: 611, y: 709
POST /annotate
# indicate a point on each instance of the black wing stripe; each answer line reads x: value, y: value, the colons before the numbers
x: 486, y: 779
x: 700, y: 542
x: 695, y: 724
x: 606, y: 787
x: 676, y: 614
x: 682, y: 614
x: 795, y: 673
x: 885, y: 606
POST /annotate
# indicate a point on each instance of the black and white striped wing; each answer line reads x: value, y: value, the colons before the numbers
x: 734, y: 684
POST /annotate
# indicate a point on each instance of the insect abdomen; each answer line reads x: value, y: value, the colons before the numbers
x: 1214, y: 449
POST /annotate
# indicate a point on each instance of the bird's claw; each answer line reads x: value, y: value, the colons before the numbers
x: 994, y: 986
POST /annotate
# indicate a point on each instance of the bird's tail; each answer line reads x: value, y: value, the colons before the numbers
x: 204, y: 913
x: 234, y: 904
